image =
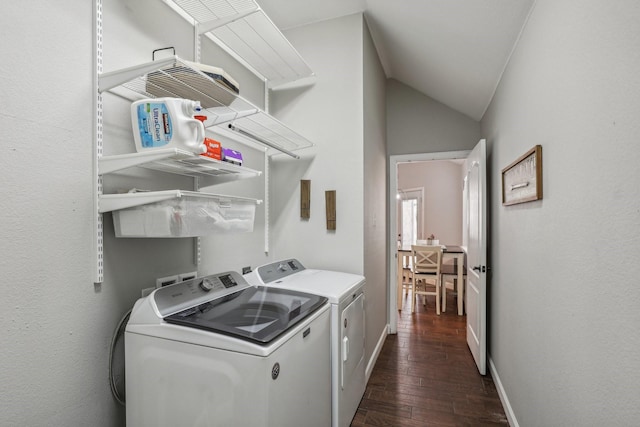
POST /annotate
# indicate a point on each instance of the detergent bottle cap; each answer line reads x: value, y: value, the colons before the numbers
x: 189, y: 106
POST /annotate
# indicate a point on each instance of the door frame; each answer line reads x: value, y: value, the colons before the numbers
x: 394, y: 161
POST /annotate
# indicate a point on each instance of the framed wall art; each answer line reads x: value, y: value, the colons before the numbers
x: 522, y: 179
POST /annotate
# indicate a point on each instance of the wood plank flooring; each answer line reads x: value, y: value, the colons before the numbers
x: 425, y: 375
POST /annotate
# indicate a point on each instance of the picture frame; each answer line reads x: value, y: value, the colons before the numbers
x: 522, y: 179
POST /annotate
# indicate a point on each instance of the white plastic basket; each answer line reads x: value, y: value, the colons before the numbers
x: 186, y: 217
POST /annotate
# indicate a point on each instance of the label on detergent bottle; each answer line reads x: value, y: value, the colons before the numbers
x: 154, y: 124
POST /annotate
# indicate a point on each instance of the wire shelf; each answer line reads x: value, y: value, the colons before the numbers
x: 114, y: 202
x: 243, y: 29
x: 179, y: 162
x: 174, y: 77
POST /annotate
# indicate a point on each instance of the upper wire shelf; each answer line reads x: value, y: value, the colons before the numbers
x: 175, y: 77
x: 243, y: 29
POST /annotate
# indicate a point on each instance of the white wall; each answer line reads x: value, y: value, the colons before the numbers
x: 344, y: 114
x: 375, y: 195
x: 442, y: 183
x: 57, y: 325
x: 329, y: 113
x: 563, y: 292
x: 418, y: 124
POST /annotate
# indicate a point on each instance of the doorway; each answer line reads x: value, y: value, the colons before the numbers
x: 394, y: 212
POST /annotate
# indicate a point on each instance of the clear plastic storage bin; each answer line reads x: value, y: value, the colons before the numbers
x: 186, y: 217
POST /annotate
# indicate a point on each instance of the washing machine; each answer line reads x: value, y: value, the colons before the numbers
x: 217, y: 351
x: 345, y: 293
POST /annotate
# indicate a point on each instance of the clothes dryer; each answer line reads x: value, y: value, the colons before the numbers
x: 345, y: 293
x: 217, y: 351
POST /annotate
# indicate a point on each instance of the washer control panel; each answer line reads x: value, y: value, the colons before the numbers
x: 173, y: 298
x: 279, y: 270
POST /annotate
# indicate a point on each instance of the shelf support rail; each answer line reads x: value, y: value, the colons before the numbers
x: 197, y: 244
x: 98, y: 265
x: 267, y: 174
x: 205, y: 27
x: 116, y: 78
x: 263, y: 141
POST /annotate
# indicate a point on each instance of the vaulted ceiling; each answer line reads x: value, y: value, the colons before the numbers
x: 453, y: 51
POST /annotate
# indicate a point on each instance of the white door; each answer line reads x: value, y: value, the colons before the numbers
x: 475, y: 238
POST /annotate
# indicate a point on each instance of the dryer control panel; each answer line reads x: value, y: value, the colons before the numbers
x: 279, y: 270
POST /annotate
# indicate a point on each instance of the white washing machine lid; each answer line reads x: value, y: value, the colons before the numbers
x: 223, y: 304
x: 256, y: 314
x: 291, y: 274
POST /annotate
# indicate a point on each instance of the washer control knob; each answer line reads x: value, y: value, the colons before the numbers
x: 206, y: 284
x: 282, y: 267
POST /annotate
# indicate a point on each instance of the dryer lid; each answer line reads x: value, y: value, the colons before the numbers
x: 291, y: 274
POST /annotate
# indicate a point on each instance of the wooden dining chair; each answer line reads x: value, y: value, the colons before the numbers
x: 449, y: 281
x: 427, y: 261
x: 407, y: 276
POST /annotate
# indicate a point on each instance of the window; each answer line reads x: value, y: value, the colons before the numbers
x: 409, y: 220
x: 410, y: 217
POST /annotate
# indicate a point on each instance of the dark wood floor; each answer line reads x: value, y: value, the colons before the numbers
x: 425, y: 375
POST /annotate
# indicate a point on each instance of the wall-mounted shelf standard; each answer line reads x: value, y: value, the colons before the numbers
x: 176, y: 161
x: 174, y: 77
x: 243, y: 29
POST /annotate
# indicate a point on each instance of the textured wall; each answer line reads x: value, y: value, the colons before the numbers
x: 344, y: 114
x: 329, y: 113
x: 442, y: 182
x: 375, y: 194
x: 418, y: 124
x: 563, y: 291
x: 56, y: 326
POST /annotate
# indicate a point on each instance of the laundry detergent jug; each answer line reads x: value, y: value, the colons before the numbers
x: 167, y: 123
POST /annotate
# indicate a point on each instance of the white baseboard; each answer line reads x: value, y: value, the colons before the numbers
x: 376, y: 352
x: 511, y: 417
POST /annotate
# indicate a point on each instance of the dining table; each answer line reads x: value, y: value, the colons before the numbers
x: 456, y: 253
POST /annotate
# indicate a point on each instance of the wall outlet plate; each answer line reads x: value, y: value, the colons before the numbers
x: 187, y: 276
x: 147, y: 291
x: 166, y: 281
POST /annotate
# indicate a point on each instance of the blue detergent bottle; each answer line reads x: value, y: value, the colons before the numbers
x: 167, y: 123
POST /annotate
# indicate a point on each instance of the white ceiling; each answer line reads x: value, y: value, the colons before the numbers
x: 451, y: 50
